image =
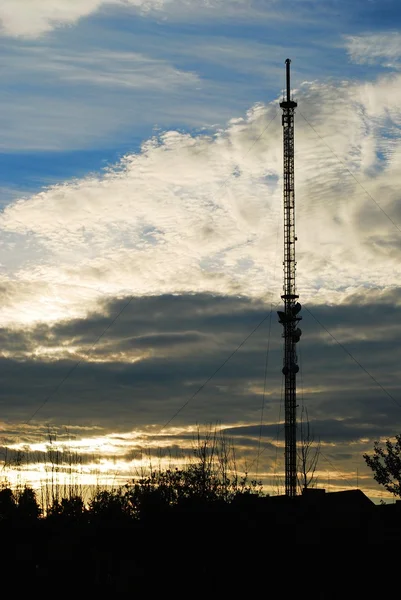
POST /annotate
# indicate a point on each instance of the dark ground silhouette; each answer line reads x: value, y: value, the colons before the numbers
x: 218, y: 545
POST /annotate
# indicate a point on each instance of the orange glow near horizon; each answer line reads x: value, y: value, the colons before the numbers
x: 116, y: 458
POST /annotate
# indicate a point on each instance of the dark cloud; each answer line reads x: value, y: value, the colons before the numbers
x: 182, y: 340
x: 154, y: 367
x: 325, y: 430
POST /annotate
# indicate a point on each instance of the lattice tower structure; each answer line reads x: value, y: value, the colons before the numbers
x: 289, y: 317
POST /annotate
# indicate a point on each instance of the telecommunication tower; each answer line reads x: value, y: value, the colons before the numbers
x: 289, y: 317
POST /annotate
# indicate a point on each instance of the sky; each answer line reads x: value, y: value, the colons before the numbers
x: 141, y: 241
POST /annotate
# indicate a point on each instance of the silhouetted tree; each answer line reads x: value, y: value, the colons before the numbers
x: 210, y: 476
x: 158, y: 491
x: 386, y: 465
x: 8, y: 505
x: 213, y: 474
x: 28, y: 507
x: 109, y: 505
x: 308, y: 453
x: 69, y: 508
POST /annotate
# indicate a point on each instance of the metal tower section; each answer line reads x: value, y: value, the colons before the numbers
x: 289, y: 317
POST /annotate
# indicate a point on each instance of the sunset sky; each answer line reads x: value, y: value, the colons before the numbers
x: 141, y: 228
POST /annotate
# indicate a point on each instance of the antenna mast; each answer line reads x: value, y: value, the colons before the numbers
x: 289, y: 317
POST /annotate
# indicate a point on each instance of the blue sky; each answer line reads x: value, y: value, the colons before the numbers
x: 91, y: 86
x: 140, y: 157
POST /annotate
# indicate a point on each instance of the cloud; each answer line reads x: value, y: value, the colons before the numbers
x: 127, y: 388
x: 203, y: 213
x: 85, y: 97
x: 383, y: 48
x: 109, y: 82
x: 147, y: 383
x: 122, y: 292
x: 138, y: 353
x: 108, y: 68
x: 328, y: 431
x: 32, y: 18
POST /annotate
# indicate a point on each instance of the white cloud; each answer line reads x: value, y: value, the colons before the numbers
x: 204, y: 213
x: 33, y: 18
x: 383, y: 48
x: 107, y: 68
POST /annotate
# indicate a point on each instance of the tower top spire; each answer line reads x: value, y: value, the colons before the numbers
x: 287, y: 102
